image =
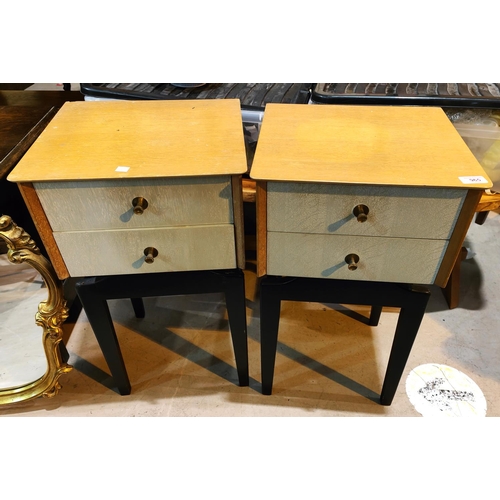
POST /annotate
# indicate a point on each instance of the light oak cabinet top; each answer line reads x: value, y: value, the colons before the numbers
x: 376, y: 145
x: 377, y: 193
x: 137, y: 139
x: 125, y: 187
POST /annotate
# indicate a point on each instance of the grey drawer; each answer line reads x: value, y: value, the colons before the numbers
x: 107, y: 204
x: 393, y: 210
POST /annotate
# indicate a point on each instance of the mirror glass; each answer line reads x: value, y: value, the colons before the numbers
x: 22, y: 356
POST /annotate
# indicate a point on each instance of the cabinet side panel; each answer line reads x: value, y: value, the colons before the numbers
x: 261, y: 207
x: 457, y: 238
x: 239, y: 232
x: 44, y: 230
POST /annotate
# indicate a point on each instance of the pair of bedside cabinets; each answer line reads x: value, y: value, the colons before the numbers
x: 144, y: 198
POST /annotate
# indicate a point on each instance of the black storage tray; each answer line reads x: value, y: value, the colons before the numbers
x: 455, y: 95
x: 253, y: 96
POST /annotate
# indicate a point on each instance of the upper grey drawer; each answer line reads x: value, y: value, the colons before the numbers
x: 107, y: 204
x: 393, y: 211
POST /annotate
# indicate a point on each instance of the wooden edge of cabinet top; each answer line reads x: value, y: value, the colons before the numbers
x: 387, y: 145
x: 137, y: 139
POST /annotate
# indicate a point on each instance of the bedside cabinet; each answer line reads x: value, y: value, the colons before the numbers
x: 361, y: 194
x: 126, y: 188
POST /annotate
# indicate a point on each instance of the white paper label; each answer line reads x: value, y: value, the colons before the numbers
x: 442, y: 391
x: 474, y: 179
x: 122, y: 169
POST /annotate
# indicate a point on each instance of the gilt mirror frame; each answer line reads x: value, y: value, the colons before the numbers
x: 50, y: 316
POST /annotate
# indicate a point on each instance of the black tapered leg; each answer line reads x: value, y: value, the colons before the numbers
x: 410, y: 318
x: 270, y: 306
x: 138, y: 305
x: 64, y: 352
x: 99, y: 317
x: 375, y: 313
x: 72, y: 300
x: 236, y: 311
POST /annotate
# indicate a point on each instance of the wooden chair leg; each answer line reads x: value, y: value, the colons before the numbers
x: 481, y: 217
x: 452, y: 290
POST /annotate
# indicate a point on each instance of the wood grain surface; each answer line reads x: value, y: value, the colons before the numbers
x: 387, y: 145
x: 261, y: 214
x: 44, y: 230
x: 38, y: 98
x: 137, y: 139
x: 458, y: 236
x: 19, y: 127
x: 489, y: 202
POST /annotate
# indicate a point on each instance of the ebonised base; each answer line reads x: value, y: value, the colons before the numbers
x: 94, y: 293
x: 412, y: 300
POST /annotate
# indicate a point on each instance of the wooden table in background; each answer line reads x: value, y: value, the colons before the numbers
x: 23, y: 116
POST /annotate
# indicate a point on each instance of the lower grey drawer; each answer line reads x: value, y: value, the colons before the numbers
x: 399, y: 260
x: 97, y: 253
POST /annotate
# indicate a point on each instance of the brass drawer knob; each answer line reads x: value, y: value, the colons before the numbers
x: 140, y: 204
x: 150, y: 253
x: 352, y: 261
x: 361, y: 212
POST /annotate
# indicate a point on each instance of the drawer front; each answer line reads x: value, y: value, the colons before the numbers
x: 90, y: 205
x: 393, y: 210
x: 97, y: 253
x: 399, y: 260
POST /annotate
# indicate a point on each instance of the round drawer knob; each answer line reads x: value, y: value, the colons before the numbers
x: 150, y: 253
x: 352, y: 261
x: 140, y: 204
x: 361, y: 212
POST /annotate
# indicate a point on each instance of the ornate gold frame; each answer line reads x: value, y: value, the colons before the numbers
x: 50, y: 316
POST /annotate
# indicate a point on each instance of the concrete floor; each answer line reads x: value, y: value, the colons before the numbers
x: 329, y: 362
